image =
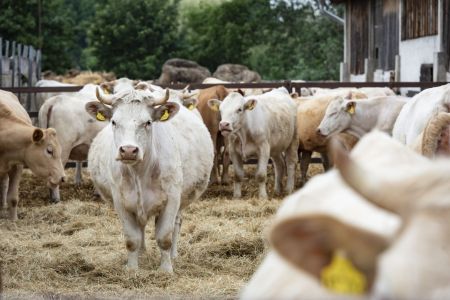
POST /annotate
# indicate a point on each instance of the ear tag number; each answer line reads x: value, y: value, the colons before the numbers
x: 342, y: 277
x: 191, y: 106
x: 100, y: 116
x: 165, y: 116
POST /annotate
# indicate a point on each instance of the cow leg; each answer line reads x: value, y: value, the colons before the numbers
x: 238, y: 168
x: 175, y: 236
x: 278, y: 166
x: 291, y: 157
x: 225, y: 164
x: 165, y: 226
x: 214, y: 178
x: 261, y: 169
x: 133, y: 236
x: 325, y: 161
x: 13, y: 190
x: 78, y: 179
x: 142, y: 248
x: 304, y: 164
x: 4, y: 186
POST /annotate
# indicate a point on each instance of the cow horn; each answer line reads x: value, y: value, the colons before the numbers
x: 105, y: 99
x: 162, y: 100
x: 372, y: 187
x: 185, y: 89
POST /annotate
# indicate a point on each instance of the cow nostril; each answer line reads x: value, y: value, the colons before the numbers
x: 63, y: 179
x: 135, y: 150
x: 121, y: 150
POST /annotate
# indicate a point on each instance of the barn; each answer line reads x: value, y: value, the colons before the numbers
x: 396, y: 40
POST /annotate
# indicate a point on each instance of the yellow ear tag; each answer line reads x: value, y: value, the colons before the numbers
x: 106, y: 91
x: 215, y: 107
x: 340, y: 276
x: 100, y: 116
x: 165, y: 116
x: 251, y: 106
x: 351, y: 110
x: 191, y: 106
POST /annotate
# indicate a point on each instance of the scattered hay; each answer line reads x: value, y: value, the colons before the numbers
x: 75, y: 249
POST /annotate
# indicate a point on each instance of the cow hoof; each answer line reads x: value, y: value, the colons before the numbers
x: 226, y: 182
x: 166, y: 269
x: 54, y: 201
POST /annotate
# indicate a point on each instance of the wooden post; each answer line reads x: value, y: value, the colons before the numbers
x: 440, y: 67
x: 369, y: 68
x: 344, y: 72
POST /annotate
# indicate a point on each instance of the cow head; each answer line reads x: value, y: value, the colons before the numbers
x: 420, y: 197
x: 337, y: 117
x: 233, y: 110
x: 43, y: 155
x: 132, y: 116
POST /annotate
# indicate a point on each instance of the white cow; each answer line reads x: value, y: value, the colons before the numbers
x: 327, y: 216
x: 151, y: 161
x: 42, y: 97
x: 359, y: 117
x: 415, y: 115
x: 261, y: 125
x: 76, y: 128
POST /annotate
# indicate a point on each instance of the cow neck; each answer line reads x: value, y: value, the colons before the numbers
x: 244, y: 132
x: 364, y: 119
x: 15, y: 137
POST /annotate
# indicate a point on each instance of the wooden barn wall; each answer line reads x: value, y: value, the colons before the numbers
x: 386, y: 32
x: 419, y: 18
x: 446, y: 31
x: 359, y: 35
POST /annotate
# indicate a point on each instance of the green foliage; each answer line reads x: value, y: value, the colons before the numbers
x: 19, y: 21
x: 134, y: 37
x: 279, y: 39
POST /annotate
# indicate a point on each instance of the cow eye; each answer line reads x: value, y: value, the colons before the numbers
x: 148, y: 123
x: 113, y: 123
x: 239, y: 110
x: 50, y: 151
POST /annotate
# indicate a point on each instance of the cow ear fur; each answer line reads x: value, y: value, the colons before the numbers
x: 165, y: 112
x: 214, y: 104
x: 190, y: 103
x: 38, y: 135
x: 250, y: 104
x: 98, y: 111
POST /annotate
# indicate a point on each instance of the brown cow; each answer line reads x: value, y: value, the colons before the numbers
x: 23, y: 144
x: 211, y: 120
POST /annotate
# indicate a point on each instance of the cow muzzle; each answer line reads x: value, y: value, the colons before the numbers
x: 319, y: 132
x: 225, y: 128
x: 128, y: 154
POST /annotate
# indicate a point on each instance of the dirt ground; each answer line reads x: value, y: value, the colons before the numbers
x: 76, y: 248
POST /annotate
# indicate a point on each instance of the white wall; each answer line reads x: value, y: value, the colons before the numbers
x: 415, y: 52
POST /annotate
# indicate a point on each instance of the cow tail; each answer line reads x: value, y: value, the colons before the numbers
x: 45, y: 114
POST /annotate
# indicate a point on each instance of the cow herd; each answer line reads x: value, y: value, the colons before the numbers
x: 383, y: 212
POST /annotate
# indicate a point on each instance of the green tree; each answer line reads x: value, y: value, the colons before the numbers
x: 281, y: 39
x: 47, y: 25
x: 134, y: 37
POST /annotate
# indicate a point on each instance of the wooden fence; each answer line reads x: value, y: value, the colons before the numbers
x: 20, y: 66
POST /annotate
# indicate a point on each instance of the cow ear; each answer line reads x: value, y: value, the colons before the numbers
x: 107, y: 87
x: 190, y: 103
x: 38, y: 135
x: 165, y: 112
x: 214, y: 104
x: 310, y: 242
x: 350, y: 107
x: 250, y: 104
x: 98, y: 111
